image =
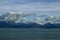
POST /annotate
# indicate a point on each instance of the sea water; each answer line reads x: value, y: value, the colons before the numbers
x: 29, y: 34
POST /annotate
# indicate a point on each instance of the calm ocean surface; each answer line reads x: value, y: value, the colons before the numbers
x: 29, y: 34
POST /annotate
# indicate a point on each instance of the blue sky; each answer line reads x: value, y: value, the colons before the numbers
x: 50, y: 7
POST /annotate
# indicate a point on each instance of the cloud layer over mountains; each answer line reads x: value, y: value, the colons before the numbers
x: 29, y: 18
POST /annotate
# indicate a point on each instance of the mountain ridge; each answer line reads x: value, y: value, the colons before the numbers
x: 15, y: 20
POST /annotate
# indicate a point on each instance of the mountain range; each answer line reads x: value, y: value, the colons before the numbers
x: 21, y: 20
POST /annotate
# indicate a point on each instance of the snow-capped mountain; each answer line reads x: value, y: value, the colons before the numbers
x: 21, y: 20
x: 28, y: 18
